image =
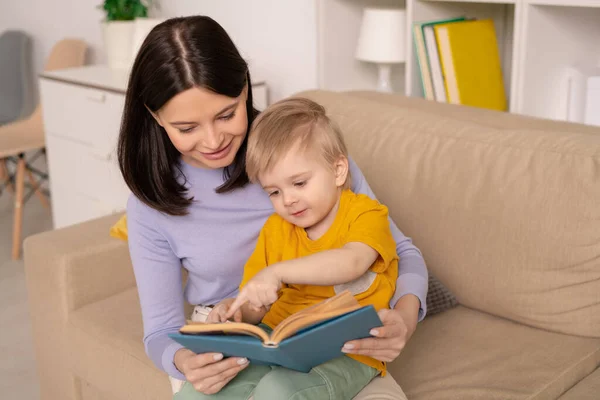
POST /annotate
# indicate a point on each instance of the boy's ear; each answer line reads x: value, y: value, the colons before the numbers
x: 341, y: 171
x: 155, y: 116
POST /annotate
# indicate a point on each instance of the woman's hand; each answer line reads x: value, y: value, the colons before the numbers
x: 260, y: 291
x: 220, y: 311
x: 208, y: 372
x: 398, y: 326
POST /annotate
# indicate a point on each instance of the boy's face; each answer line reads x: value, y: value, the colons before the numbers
x: 304, y: 191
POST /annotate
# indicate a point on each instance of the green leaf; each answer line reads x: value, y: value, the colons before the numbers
x: 124, y: 10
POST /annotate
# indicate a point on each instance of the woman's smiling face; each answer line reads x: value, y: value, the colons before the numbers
x: 207, y: 128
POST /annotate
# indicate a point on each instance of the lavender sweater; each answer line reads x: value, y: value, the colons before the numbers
x: 213, y: 243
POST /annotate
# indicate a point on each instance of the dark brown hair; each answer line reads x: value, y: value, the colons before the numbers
x: 177, y: 55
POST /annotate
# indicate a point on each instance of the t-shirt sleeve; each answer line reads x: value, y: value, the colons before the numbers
x: 159, y: 281
x: 258, y: 260
x: 371, y: 227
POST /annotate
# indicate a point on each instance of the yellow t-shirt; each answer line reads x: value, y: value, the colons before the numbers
x: 359, y: 219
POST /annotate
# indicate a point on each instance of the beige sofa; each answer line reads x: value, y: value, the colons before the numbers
x: 505, y: 209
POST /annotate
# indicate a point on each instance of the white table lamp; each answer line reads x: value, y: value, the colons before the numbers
x: 382, y: 41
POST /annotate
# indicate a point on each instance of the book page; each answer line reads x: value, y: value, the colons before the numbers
x: 289, y: 329
x: 236, y: 328
x: 340, y: 304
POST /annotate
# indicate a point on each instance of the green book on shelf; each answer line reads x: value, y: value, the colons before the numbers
x: 423, y: 58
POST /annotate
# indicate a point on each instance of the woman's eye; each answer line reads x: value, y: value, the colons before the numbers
x: 300, y: 184
x: 186, y: 130
x: 227, y: 117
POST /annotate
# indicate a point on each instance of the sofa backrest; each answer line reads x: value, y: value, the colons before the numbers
x: 508, y: 219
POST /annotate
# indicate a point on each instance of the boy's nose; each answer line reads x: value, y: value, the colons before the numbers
x: 288, y: 199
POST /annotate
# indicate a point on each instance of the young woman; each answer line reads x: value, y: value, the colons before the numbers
x: 182, y: 153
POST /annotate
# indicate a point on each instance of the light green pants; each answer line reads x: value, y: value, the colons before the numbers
x: 338, y: 379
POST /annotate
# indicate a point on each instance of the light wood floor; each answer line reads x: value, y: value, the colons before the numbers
x: 17, y: 362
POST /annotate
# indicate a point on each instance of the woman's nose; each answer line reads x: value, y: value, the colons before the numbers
x: 212, y: 139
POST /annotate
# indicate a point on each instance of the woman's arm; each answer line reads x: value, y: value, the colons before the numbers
x: 412, y: 272
x: 158, y: 275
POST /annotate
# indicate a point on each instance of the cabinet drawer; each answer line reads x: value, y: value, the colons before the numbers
x: 88, y: 116
x: 70, y: 207
x: 75, y: 166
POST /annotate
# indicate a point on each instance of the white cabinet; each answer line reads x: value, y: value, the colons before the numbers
x: 82, y: 110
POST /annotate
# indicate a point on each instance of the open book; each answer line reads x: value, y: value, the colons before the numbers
x: 301, y: 341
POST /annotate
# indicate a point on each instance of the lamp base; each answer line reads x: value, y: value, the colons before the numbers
x: 384, y: 83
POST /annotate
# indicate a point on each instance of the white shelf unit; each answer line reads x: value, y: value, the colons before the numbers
x: 504, y: 15
x: 555, y: 36
x: 537, y: 40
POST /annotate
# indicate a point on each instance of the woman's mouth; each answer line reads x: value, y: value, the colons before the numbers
x: 219, y: 154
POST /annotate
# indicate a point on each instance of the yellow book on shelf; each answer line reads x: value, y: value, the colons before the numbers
x: 471, y: 64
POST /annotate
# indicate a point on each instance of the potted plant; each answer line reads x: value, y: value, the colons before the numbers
x: 118, y: 29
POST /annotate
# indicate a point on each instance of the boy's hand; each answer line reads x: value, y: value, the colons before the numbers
x: 260, y: 291
x: 220, y: 312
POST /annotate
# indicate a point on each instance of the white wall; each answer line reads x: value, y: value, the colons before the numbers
x: 277, y: 37
x: 48, y: 21
x: 339, y: 22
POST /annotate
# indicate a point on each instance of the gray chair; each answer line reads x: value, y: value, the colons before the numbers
x: 16, y: 77
x: 27, y: 135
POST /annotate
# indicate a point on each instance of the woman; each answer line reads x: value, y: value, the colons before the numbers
x: 182, y: 153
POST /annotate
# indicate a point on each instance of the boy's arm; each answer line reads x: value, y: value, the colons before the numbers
x: 258, y: 261
x: 220, y: 313
x: 368, y: 239
x: 329, y: 267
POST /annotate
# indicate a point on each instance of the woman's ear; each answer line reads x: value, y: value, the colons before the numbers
x: 155, y: 116
x: 341, y: 171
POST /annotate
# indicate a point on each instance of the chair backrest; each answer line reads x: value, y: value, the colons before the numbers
x: 67, y: 53
x: 16, y: 76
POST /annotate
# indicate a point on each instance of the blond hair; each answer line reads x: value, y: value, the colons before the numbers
x: 288, y: 122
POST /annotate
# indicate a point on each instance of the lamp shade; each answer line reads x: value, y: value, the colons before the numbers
x: 382, y: 36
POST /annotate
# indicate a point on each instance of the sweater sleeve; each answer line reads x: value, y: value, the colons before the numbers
x: 412, y: 271
x: 159, y: 281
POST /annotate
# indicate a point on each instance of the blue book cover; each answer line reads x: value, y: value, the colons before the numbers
x: 302, y: 351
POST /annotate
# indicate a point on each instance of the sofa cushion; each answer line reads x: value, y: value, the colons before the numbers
x: 466, y: 354
x: 107, y: 350
x: 490, y: 118
x: 506, y: 219
x: 587, y: 389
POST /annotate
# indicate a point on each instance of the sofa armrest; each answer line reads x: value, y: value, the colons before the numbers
x: 82, y: 262
x: 66, y: 269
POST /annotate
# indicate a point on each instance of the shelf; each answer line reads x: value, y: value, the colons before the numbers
x: 564, y: 3
x: 471, y: 1
x: 555, y: 39
x: 503, y: 14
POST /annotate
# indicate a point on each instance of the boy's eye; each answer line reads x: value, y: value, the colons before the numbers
x: 300, y: 184
x: 273, y: 193
x: 227, y: 117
